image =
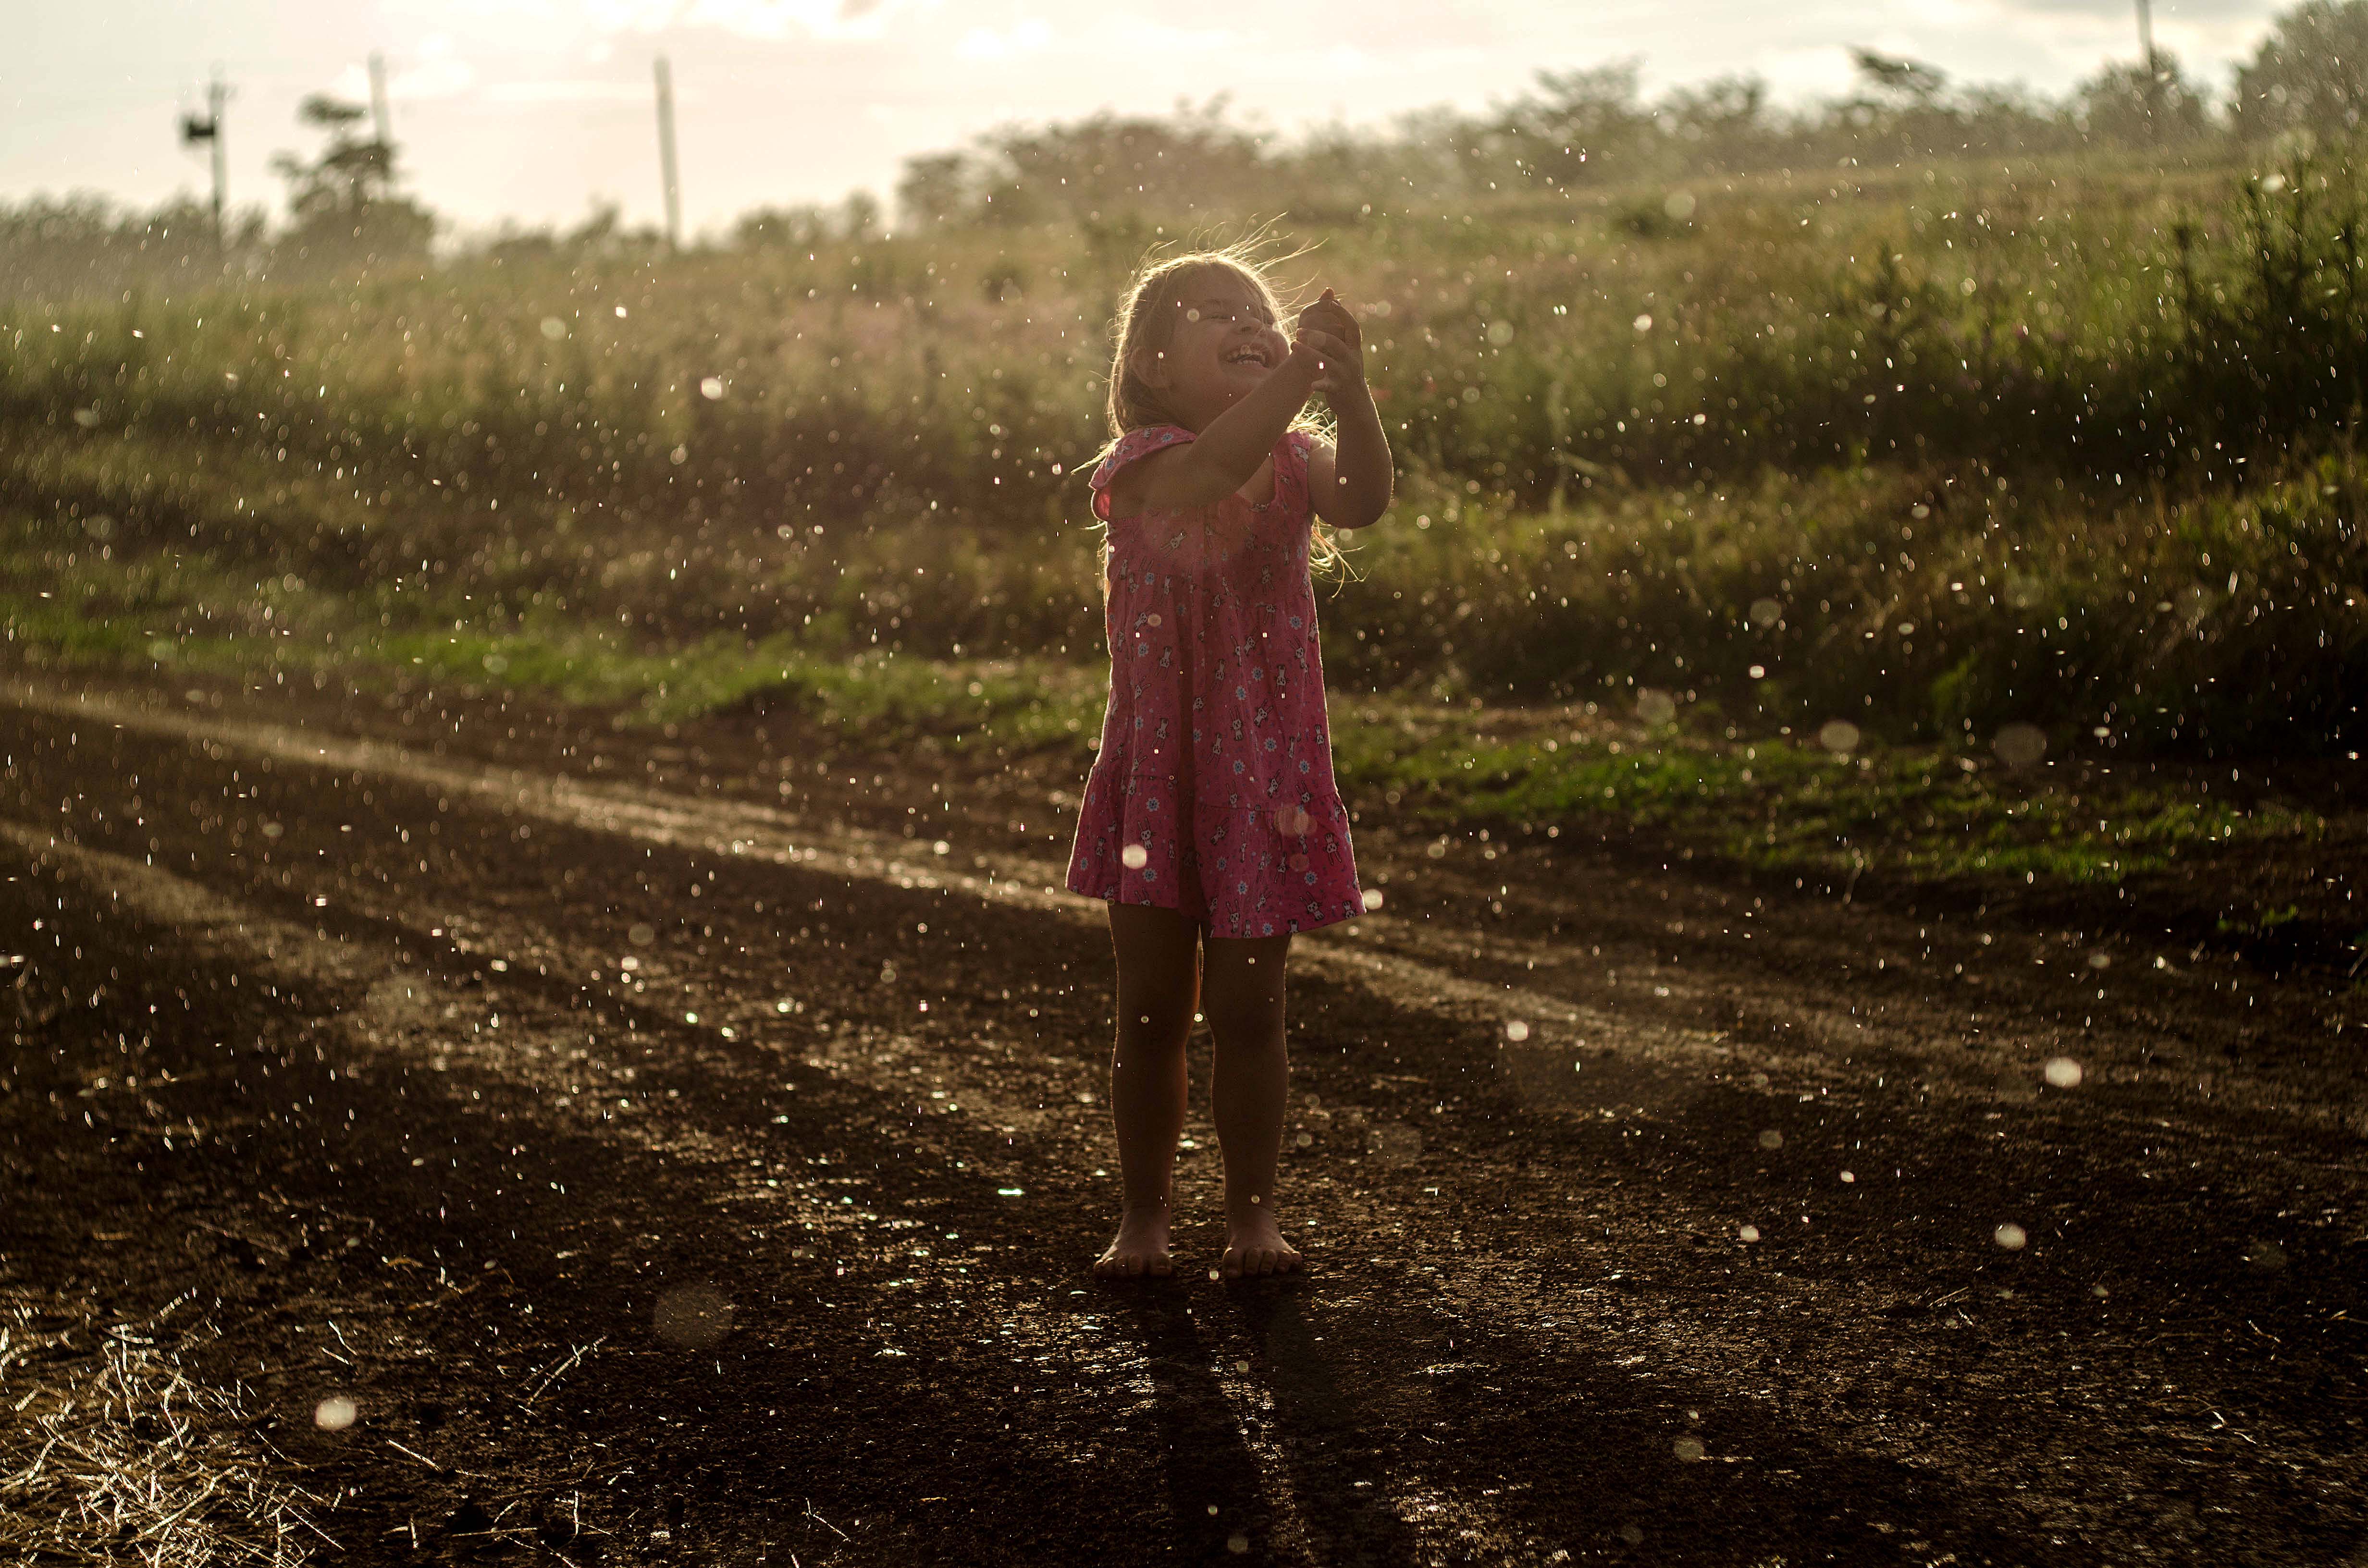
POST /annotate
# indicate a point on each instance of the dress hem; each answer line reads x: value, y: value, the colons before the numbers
x: 1292, y: 928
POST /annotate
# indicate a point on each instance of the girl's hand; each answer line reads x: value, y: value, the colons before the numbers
x: 1328, y: 335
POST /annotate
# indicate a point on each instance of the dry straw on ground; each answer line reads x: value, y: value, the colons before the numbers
x: 111, y: 1453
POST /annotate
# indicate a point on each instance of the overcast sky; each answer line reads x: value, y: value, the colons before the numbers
x: 532, y: 111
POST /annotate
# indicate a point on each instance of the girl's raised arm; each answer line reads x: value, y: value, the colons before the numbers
x: 1226, y: 454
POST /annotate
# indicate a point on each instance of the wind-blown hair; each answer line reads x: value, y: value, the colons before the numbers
x: 1145, y: 321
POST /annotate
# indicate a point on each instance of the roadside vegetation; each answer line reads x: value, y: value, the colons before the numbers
x: 1844, y: 469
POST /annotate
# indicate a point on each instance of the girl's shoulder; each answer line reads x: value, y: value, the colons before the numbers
x: 1129, y: 448
x: 1308, y: 449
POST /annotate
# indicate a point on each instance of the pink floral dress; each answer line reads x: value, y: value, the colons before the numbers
x: 1212, y: 793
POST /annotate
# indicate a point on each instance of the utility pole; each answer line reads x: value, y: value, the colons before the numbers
x: 211, y: 130
x: 380, y: 120
x: 665, y: 156
x: 2153, y: 70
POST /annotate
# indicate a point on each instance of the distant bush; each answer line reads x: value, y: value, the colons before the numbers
x: 2105, y: 396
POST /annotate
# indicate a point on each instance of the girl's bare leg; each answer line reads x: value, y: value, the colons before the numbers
x: 1158, y: 990
x: 1242, y: 992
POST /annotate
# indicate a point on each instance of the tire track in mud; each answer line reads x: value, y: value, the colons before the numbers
x: 1199, y: 1413
x: 1329, y: 1363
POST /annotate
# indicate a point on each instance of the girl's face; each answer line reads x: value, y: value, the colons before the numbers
x: 1224, y: 341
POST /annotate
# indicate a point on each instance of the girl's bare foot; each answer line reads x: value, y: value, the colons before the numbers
x: 1254, y: 1246
x: 1140, y: 1249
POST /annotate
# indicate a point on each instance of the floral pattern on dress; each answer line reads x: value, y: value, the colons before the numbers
x: 1213, y: 793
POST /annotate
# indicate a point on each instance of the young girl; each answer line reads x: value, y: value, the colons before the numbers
x: 1211, y: 822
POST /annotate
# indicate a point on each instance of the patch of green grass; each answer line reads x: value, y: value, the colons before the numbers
x: 1794, y: 806
x: 1925, y: 812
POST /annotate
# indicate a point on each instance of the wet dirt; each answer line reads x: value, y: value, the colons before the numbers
x: 692, y: 1149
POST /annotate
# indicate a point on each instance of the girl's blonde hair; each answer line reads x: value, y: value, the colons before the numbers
x: 1147, y: 321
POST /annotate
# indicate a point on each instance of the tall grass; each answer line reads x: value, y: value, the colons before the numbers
x: 1931, y: 450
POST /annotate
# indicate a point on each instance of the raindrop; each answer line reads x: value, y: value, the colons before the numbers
x: 1747, y: 1233
x: 692, y: 1317
x: 1237, y: 1544
x: 2064, y: 1073
x: 1643, y: 324
x: 553, y: 328
x: 2100, y: 961
x: 1656, y: 707
x: 1680, y: 205
x: 2010, y: 1237
x: 1134, y: 857
x: 710, y: 386
x: 1771, y: 1138
x: 1631, y: 1535
x: 1759, y: 672
x: 640, y: 934
x: 1500, y: 333
x: 1516, y: 1031
x: 2020, y: 745
x: 941, y: 848
x: 1765, y: 612
x: 335, y: 1414
x: 1305, y: 1140
x: 1372, y: 898
x: 1849, y: 1175
x: 1687, y: 1448
x: 1838, y: 735
x: 87, y: 417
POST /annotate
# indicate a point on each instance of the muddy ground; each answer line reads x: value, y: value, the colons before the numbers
x: 692, y: 1150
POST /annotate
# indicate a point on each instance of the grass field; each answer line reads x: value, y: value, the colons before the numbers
x: 1929, y: 454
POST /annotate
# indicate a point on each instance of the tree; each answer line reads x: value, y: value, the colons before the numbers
x: 2124, y: 105
x: 1911, y: 81
x: 786, y: 228
x: 1722, y: 122
x: 2310, y: 74
x: 858, y: 215
x: 1581, y: 123
x: 343, y: 202
x: 935, y: 188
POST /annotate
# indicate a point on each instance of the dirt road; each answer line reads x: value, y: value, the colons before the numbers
x: 694, y: 1152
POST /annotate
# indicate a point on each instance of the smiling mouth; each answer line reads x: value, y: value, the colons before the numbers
x: 1248, y: 357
